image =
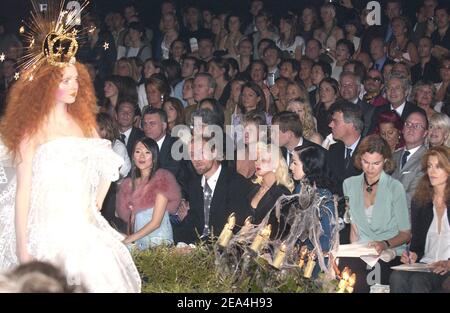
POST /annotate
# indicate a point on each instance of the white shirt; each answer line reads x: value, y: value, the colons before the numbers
x: 353, y: 147
x: 411, y: 152
x: 127, y: 135
x: 300, y: 143
x: 400, y: 109
x: 121, y: 149
x: 212, y: 181
x: 328, y: 141
x: 142, y: 97
x: 437, y: 246
x: 160, y: 142
x: 298, y: 42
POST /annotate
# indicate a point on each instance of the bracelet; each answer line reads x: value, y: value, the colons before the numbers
x: 387, y: 243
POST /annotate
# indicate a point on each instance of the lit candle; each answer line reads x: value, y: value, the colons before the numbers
x: 227, y: 231
x: 303, y: 252
x: 343, y: 283
x: 351, y: 283
x: 261, y: 238
x: 279, y: 258
x: 310, y: 265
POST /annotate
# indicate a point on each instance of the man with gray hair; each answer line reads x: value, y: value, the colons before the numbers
x: 350, y: 88
x: 346, y: 125
x: 397, y: 90
x: 204, y: 87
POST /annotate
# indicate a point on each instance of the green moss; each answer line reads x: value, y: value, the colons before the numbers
x: 166, y: 269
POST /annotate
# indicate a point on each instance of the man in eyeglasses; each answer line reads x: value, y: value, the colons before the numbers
x: 373, y: 85
x: 408, y: 160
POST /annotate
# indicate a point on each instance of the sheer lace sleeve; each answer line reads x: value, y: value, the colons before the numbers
x: 8, y: 185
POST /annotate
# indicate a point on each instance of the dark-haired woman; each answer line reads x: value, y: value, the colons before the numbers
x: 309, y: 167
x: 219, y: 68
x: 145, y: 200
x: 430, y: 243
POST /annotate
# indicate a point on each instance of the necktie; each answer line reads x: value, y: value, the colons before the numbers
x: 348, y: 157
x: 207, y: 197
x: 122, y: 138
x: 290, y: 158
x: 377, y: 66
x: 405, y: 157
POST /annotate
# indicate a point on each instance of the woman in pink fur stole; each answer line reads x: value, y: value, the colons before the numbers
x: 145, y: 200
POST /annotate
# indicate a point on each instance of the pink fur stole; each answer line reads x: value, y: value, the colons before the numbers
x: 163, y: 182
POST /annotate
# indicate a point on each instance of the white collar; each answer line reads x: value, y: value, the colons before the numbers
x: 212, y: 181
x: 412, y: 151
x: 300, y: 143
x: 353, y: 146
x: 127, y: 134
x: 160, y: 142
x: 400, y: 109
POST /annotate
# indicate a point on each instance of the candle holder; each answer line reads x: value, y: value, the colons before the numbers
x: 227, y: 232
x: 310, y: 265
x: 279, y: 257
x: 261, y: 238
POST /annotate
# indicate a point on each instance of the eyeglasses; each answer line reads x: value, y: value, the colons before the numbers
x: 377, y: 79
x: 414, y: 126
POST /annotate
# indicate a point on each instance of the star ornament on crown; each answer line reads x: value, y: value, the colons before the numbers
x: 51, y: 35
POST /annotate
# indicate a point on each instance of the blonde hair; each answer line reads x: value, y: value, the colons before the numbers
x: 132, y: 68
x: 442, y: 121
x: 308, y: 123
x: 282, y: 175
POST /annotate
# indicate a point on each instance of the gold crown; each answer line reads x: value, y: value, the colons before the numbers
x: 51, y: 35
x: 60, y: 49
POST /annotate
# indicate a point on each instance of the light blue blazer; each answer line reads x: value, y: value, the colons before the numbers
x: 390, y: 211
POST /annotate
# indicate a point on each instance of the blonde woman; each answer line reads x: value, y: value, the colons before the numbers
x: 439, y: 130
x: 127, y: 67
x: 302, y: 108
x: 272, y: 181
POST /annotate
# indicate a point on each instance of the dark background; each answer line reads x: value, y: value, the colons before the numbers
x: 13, y: 11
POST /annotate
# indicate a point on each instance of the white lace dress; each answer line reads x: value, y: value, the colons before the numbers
x: 64, y: 226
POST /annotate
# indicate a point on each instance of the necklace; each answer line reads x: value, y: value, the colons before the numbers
x: 369, y: 186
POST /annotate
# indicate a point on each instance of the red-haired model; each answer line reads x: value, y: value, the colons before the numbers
x: 63, y: 173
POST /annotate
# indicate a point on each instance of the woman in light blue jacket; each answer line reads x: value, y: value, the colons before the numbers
x: 377, y: 206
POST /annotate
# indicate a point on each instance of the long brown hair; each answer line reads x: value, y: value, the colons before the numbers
x: 30, y: 102
x: 424, y: 191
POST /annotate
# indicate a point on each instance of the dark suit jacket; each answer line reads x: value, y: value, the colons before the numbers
x: 135, y: 135
x: 421, y: 218
x: 337, y: 171
x: 418, y: 33
x: 430, y: 71
x: 367, y: 112
x: 409, y: 108
x: 166, y: 160
x: 230, y: 195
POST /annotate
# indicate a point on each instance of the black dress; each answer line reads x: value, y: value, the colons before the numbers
x: 265, y: 205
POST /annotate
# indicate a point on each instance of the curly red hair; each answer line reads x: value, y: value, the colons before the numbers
x: 30, y: 102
